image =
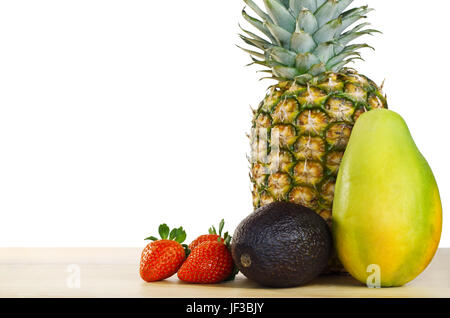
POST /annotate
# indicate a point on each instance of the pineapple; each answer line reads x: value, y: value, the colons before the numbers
x: 301, y: 128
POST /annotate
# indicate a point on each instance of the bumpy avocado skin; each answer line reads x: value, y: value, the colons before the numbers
x: 387, y: 210
x: 282, y: 245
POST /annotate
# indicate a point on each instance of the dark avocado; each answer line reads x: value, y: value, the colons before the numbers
x: 282, y: 245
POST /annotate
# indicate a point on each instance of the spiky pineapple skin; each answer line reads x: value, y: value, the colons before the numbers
x: 312, y: 124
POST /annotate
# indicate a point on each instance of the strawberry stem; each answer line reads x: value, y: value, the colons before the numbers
x: 163, y: 231
x: 187, y: 250
x: 180, y: 235
x: 212, y: 229
x: 221, y: 225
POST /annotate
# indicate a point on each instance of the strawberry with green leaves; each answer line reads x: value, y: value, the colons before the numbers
x: 210, y: 259
x: 212, y: 236
x: 163, y: 257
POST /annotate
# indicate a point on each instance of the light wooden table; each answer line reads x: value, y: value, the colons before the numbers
x: 113, y: 272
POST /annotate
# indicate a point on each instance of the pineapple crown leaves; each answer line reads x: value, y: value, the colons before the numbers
x: 302, y: 39
x: 177, y: 234
x: 226, y: 237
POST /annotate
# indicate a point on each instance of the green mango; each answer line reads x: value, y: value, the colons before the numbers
x: 387, y: 212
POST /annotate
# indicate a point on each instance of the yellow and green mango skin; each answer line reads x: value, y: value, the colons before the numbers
x: 387, y: 209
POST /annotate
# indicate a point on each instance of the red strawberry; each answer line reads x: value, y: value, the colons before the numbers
x: 162, y: 258
x: 212, y: 236
x: 210, y: 262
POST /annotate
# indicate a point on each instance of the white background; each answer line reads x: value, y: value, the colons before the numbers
x: 116, y: 116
